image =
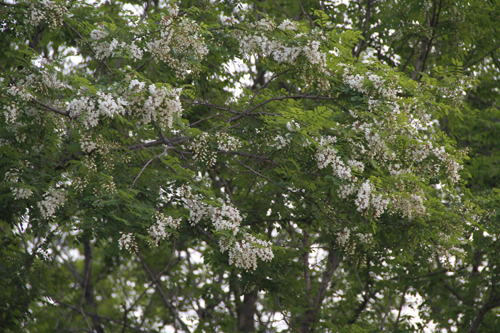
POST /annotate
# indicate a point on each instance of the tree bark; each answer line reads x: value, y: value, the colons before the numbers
x: 309, y: 320
x: 246, y: 312
x: 88, y: 290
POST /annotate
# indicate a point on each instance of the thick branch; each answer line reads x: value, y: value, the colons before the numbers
x: 310, y: 316
x: 88, y: 290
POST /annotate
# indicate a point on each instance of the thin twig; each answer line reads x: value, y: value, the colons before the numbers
x: 284, y: 316
x: 146, y: 165
x: 307, y: 15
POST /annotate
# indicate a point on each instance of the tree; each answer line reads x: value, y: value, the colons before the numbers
x: 248, y: 166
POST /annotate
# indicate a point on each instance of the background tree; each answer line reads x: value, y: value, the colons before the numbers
x: 248, y: 166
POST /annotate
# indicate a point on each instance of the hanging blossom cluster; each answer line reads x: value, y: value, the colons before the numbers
x: 242, y: 253
x: 88, y: 109
x: 409, y: 206
x: 282, y: 52
x: 227, y: 142
x: 452, y: 166
x: 162, y: 104
x: 127, y: 242
x: 376, y: 84
x: 327, y: 156
x: 202, y: 152
x: 281, y: 142
x: 288, y: 25
x: 53, y: 199
x: 104, y: 48
x: 37, y: 79
x: 366, y: 200
x: 48, y: 11
x: 158, y: 231
x: 245, y: 253
x: 348, y: 240
x: 179, y: 37
x: 18, y: 95
x: 18, y: 190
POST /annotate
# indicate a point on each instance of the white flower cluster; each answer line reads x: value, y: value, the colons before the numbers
x: 365, y: 238
x: 49, y: 11
x: 177, y: 41
x: 202, y: 151
x: 127, y: 241
x: 366, y: 199
x: 20, y: 92
x: 43, y: 79
x: 408, y: 206
x: 104, y: 49
x: 88, y: 110
x: 264, y: 25
x: 227, y: 142
x: 376, y: 144
x: 281, y: 142
x: 53, y: 199
x: 313, y: 54
x: 87, y: 144
x: 346, y: 190
x: 343, y: 237
x: 326, y: 156
x: 228, y: 20
x: 163, y: 104
x: 452, y: 166
x: 225, y: 217
x: 292, y: 126
x: 158, y: 231
x: 99, y: 33
x: 244, y: 254
x: 84, y: 108
x: 282, y: 52
x: 357, y: 82
x: 21, y: 192
x: 109, y: 105
x: 382, y: 86
x: 12, y: 176
x: 288, y: 25
x: 11, y: 113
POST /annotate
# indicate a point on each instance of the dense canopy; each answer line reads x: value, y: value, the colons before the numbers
x: 249, y: 166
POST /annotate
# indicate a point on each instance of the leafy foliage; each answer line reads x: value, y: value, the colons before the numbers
x: 249, y: 166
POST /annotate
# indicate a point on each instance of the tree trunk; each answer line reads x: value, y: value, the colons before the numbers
x: 246, y: 313
x: 88, y: 290
x: 309, y: 320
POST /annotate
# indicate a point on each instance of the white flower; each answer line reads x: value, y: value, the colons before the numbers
x: 127, y: 241
x: 21, y: 193
x: 53, y: 199
x: 135, y: 51
x: 228, y: 20
x: 227, y: 142
x: 98, y: 33
x: 280, y: 142
x: 288, y: 25
x: 244, y: 254
x: 364, y: 195
x: 136, y: 86
x: 157, y: 231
